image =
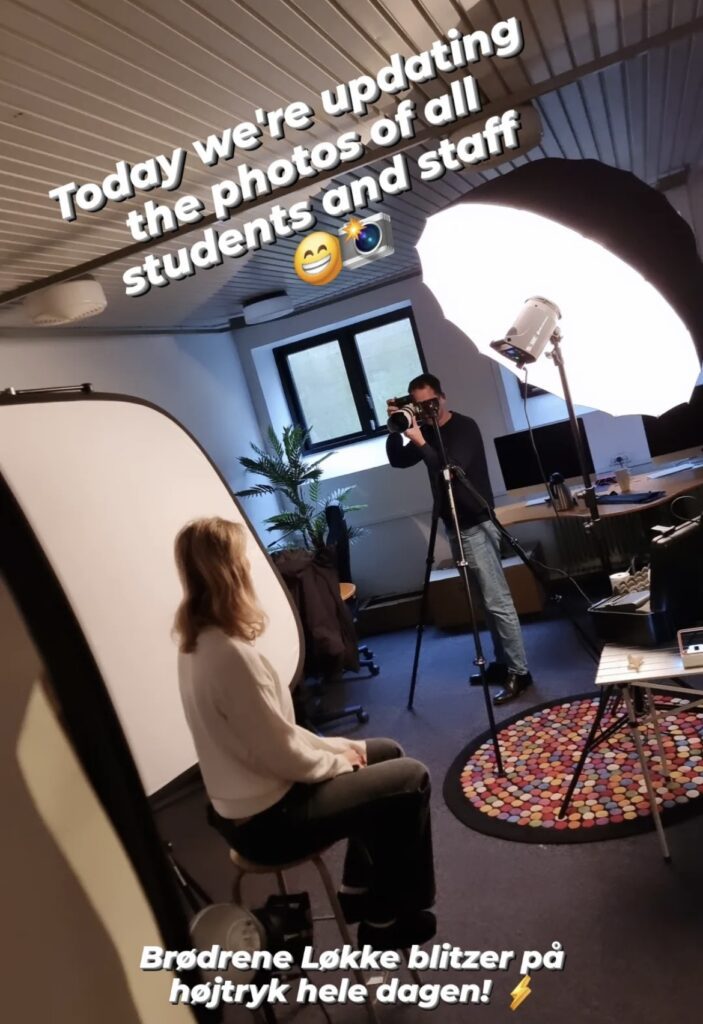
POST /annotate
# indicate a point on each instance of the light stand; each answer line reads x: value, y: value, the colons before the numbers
x: 589, y: 490
x: 535, y: 327
x: 462, y: 566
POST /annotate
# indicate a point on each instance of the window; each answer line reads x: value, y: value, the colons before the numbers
x: 336, y: 384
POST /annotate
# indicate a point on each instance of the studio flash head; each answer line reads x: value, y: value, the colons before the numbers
x: 533, y: 329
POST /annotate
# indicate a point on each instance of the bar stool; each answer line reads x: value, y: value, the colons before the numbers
x: 243, y: 867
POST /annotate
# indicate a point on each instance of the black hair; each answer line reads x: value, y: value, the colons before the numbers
x: 425, y: 380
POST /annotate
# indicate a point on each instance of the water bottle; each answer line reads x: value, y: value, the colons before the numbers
x: 560, y: 493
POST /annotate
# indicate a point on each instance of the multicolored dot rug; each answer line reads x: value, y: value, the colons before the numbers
x: 540, y: 751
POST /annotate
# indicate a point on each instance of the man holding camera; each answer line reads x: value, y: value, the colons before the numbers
x: 481, y: 540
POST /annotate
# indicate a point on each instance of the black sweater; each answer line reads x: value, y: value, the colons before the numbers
x: 464, y: 447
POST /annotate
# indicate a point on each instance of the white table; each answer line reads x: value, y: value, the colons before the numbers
x: 659, y: 668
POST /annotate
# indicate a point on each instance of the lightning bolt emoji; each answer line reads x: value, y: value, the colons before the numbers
x: 520, y: 993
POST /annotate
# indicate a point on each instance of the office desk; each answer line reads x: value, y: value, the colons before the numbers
x: 674, y: 485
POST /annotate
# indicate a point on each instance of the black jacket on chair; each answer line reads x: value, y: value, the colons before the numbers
x: 328, y: 628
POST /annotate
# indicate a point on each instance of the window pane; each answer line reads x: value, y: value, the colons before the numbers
x: 390, y: 358
x: 324, y: 391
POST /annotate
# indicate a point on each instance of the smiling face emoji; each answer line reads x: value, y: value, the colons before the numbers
x: 318, y: 258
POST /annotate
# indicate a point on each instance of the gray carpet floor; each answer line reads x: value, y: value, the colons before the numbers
x: 630, y: 925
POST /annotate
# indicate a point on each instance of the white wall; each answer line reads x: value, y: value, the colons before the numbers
x: 197, y: 378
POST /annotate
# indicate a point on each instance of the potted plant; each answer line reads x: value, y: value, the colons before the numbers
x: 291, y: 475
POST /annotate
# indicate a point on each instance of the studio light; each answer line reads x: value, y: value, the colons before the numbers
x: 534, y: 327
x: 617, y: 260
x: 261, y: 308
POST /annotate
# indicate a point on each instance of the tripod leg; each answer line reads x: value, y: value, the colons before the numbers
x: 587, y: 747
x: 653, y: 805
x: 491, y: 719
x: 420, y: 628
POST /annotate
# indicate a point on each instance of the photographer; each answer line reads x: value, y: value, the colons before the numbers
x: 464, y: 447
x: 279, y: 792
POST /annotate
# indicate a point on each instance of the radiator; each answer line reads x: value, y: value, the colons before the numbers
x: 622, y: 536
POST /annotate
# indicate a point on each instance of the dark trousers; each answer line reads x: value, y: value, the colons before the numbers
x: 382, y: 809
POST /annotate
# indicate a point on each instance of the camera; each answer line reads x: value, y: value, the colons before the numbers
x: 423, y: 412
x: 374, y: 241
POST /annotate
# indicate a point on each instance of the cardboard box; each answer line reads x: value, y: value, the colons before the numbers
x: 448, y: 607
x: 388, y: 612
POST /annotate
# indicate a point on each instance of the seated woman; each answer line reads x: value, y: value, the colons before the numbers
x: 279, y: 792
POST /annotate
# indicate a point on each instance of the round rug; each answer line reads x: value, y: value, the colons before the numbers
x: 540, y: 751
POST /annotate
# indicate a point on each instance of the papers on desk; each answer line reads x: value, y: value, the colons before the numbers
x: 670, y: 470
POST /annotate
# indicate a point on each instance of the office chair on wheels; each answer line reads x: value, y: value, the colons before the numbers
x: 338, y: 543
x: 338, y: 538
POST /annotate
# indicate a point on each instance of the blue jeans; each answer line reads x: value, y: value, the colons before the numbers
x: 482, y: 551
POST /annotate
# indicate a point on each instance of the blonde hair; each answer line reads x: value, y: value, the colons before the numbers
x: 217, y: 584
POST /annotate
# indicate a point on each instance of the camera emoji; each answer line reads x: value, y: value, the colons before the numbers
x: 364, y: 241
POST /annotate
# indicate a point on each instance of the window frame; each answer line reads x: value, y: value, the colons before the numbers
x: 356, y: 375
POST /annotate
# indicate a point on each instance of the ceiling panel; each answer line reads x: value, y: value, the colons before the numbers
x: 85, y: 83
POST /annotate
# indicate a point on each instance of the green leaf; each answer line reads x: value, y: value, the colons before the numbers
x: 252, y: 492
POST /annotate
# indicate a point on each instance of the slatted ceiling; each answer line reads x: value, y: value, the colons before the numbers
x: 80, y: 88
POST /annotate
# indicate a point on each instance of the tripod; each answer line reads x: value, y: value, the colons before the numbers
x: 463, y: 567
x: 538, y: 571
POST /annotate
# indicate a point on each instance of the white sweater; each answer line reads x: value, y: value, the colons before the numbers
x: 250, y: 749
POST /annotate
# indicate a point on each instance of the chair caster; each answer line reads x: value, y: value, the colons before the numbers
x: 362, y: 717
x: 366, y: 652
x: 374, y: 670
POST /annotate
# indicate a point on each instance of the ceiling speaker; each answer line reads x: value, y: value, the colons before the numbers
x: 65, y: 302
x: 267, y: 307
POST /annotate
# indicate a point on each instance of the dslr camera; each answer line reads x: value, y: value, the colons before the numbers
x: 423, y: 412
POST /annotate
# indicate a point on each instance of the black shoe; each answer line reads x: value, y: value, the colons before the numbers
x: 496, y: 674
x: 411, y: 930
x: 514, y: 685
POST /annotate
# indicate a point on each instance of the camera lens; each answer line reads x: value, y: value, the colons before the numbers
x: 368, y: 239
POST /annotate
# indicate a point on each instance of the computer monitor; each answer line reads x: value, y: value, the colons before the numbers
x: 556, y: 448
x: 678, y: 428
x: 676, y: 580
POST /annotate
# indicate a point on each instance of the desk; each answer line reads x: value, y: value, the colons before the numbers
x: 659, y: 669
x: 673, y: 486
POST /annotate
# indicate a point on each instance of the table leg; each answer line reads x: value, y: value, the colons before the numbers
x: 637, y: 739
x: 654, y: 716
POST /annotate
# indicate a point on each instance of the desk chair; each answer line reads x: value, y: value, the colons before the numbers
x: 338, y: 538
